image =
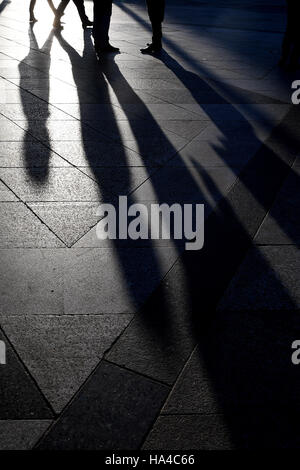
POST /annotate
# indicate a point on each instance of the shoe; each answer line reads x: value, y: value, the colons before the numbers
x: 32, y: 19
x: 107, y: 49
x: 152, y: 49
x: 87, y: 23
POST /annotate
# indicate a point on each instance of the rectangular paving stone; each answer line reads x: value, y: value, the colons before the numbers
x: 14, y: 71
x: 60, y: 96
x: 146, y: 84
x: 187, y: 185
x: 57, y: 184
x: 186, y: 129
x: 225, y: 152
x: 80, y: 281
x: 14, y: 96
x: 159, y: 148
x: 185, y: 97
x: 97, y: 112
x: 33, y: 111
x: 124, y: 98
x: 270, y: 113
x: 9, y: 131
x: 36, y: 277
x: 29, y: 154
x: 114, y: 280
x: 230, y: 131
x: 165, y: 111
x: 98, y: 154
x: 69, y: 131
x: 99, y: 409
x: 42, y: 81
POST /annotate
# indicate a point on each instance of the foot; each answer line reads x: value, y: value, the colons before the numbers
x: 152, y: 49
x: 107, y: 49
x: 87, y: 23
x: 32, y: 19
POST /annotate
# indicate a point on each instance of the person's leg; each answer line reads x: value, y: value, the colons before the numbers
x: 294, y: 33
x: 51, y: 5
x: 31, y: 11
x: 81, y: 11
x: 156, y: 11
x: 102, y: 17
x: 59, y: 12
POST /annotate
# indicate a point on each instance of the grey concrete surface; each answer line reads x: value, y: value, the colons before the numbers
x: 100, y: 334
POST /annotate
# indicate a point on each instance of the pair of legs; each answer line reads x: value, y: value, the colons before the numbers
x: 156, y: 11
x: 81, y: 11
x: 102, y: 17
x: 32, y: 5
x: 291, y: 42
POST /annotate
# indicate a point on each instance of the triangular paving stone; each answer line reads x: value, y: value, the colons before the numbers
x: 20, y: 228
x: 21, y: 434
x: 68, y: 220
x: 62, y: 351
x: 20, y: 397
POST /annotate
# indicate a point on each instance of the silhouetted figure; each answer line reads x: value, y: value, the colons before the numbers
x: 291, y: 42
x: 102, y: 16
x: 156, y: 11
x: 32, y: 18
x: 81, y: 11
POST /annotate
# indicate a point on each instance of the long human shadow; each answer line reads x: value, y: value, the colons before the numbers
x: 37, y: 168
x: 237, y: 395
x: 107, y: 159
x: 203, y: 289
x: 235, y: 345
x: 98, y: 75
x: 245, y: 345
x: 287, y: 140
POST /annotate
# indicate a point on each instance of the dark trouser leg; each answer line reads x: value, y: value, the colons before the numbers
x: 286, y: 48
x: 102, y: 16
x: 295, y: 55
x: 31, y: 8
x: 81, y: 10
x: 156, y: 11
x: 61, y: 8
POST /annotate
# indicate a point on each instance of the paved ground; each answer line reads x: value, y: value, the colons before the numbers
x: 127, y: 345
